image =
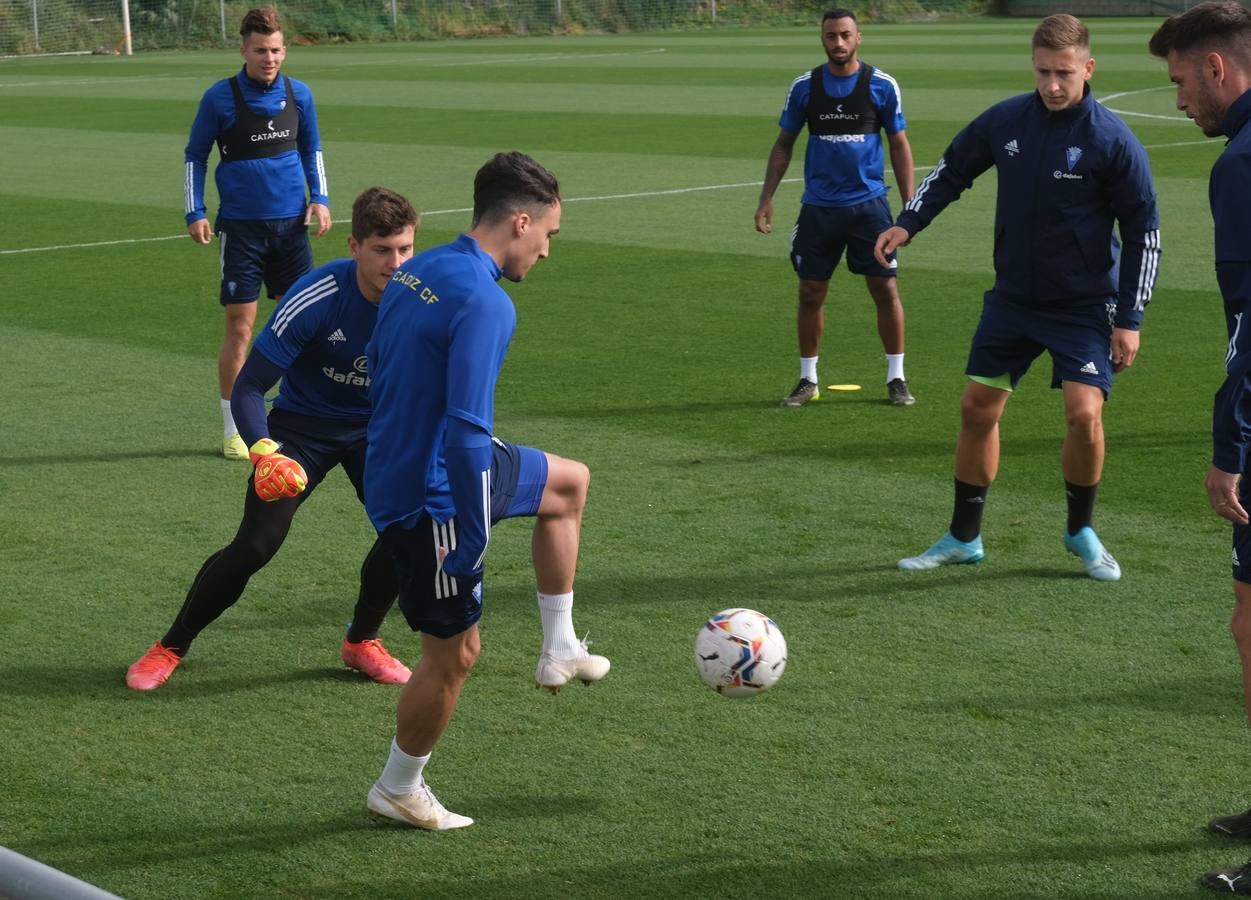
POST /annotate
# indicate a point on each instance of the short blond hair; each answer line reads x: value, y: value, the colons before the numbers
x: 1060, y: 32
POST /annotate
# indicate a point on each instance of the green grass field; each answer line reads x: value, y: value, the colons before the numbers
x: 1013, y: 729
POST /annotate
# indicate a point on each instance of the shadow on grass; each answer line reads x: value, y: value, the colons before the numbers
x: 732, y: 873
x: 1216, y: 695
x: 109, y: 849
x: 77, y: 459
x: 109, y: 681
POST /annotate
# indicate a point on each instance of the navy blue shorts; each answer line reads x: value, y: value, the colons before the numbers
x: 1011, y: 335
x: 822, y: 233
x: 431, y: 600
x: 273, y: 251
x: 319, y: 444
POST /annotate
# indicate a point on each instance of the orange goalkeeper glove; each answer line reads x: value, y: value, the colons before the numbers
x: 276, y: 476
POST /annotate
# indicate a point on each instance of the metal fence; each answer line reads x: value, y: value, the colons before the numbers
x: 114, y: 26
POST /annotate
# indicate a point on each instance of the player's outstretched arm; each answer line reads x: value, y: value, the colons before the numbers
x: 888, y: 242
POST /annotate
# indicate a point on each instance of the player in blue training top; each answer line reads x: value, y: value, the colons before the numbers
x: 265, y: 128
x: 438, y: 478
x: 315, y: 343
x: 1208, y: 48
x: 1069, y: 170
x: 846, y: 104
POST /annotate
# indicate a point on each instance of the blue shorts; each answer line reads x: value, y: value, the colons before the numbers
x: 1012, y: 334
x: 431, y: 600
x: 822, y: 233
x: 319, y: 444
x: 275, y: 251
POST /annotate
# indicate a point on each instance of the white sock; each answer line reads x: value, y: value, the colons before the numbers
x: 402, y: 774
x: 894, y: 366
x: 808, y: 368
x: 228, y: 421
x: 559, y: 639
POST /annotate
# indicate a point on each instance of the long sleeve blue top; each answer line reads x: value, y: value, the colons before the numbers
x: 1065, y: 178
x: 268, y: 188
x: 1229, y: 194
x: 443, y: 330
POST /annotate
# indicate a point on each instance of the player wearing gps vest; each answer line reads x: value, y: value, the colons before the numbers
x: 265, y: 127
x: 845, y: 104
x: 315, y: 343
x: 1069, y: 171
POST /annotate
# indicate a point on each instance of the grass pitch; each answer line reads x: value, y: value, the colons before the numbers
x: 1009, y: 729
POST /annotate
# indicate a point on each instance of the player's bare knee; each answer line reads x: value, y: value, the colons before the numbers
x: 977, y: 417
x: 1084, y: 424
x: 812, y: 294
x: 1240, y: 626
x: 580, y: 482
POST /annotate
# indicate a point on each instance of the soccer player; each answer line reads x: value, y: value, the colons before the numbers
x: 1208, y: 48
x: 1068, y: 170
x: 265, y: 128
x: 438, y: 478
x: 846, y: 104
x: 315, y: 343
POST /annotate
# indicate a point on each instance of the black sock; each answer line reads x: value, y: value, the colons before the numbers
x: 966, y: 516
x: 379, y: 585
x: 1081, y: 501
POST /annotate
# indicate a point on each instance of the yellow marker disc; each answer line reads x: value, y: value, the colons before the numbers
x: 842, y: 387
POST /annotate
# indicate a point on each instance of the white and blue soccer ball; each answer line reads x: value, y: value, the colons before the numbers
x: 740, y: 652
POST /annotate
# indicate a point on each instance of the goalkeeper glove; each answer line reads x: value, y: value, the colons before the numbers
x: 276, y: 476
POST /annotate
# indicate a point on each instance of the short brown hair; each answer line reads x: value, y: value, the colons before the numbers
x: 1060, y: 32
x: 1217, y: 24
x: 510, y: 182
x: 379, y: 212
x: 262, y: 20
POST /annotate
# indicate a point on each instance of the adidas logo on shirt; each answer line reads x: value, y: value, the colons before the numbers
x: 1089, y: 369
x: 1012, y: 147
x: 338, y: 336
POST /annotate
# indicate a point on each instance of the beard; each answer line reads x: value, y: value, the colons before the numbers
x: 1207, y: 112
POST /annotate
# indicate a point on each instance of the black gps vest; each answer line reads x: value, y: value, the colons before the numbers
x: 853, y: 114
x: 254, y: 136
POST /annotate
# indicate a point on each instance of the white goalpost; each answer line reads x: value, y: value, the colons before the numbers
x: 64, y: 28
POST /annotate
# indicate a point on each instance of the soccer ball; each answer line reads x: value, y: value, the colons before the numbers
x: 740, y: 652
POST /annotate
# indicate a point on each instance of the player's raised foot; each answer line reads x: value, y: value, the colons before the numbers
x: 421, y: 809
x: 897, y: 393
x: 153, y: 669
x: 234, y: 448
x: 1238, y: 825
x: 1234, y: 880
x: 372, y: 660
x: 555, y: 672
x: 804, y: 391
x: 1094, y: 556
x: 946, y: 551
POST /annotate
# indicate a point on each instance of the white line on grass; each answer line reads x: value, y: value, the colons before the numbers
x: 445, y: 212
x: 425, y: 213
x: 433, y: 64
x: 1142, y: 115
